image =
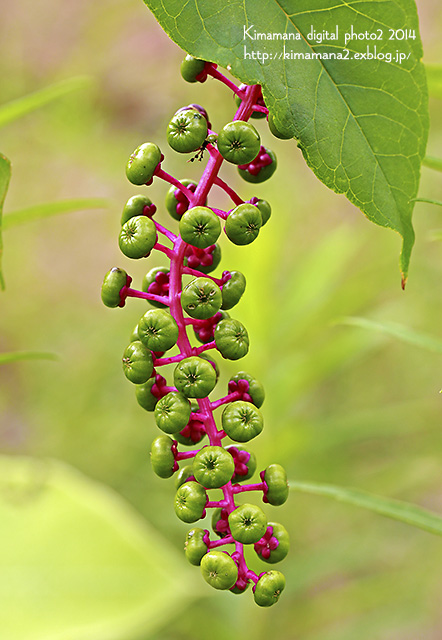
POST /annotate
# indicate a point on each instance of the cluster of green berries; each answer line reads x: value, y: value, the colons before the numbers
x: 182, y: 411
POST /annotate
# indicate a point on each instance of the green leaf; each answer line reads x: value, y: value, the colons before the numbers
x: 362, y: 125
x: 22, y: 106
x: 5, y: 175
x: 395, y: 330
x: 49, y: 209
x: 397, y: 510
x: 77, y: 562
x: 433, y: 163
x: 15, y: 356
x: 434, y: 79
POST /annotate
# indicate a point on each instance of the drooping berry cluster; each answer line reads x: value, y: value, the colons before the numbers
x: 183, y: 412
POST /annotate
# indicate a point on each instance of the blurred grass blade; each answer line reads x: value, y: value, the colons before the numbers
x: 432, y: 163
x: 434, y: 79
x: 397, y: 510
x: 396, y: 331
x: 80, y: 561
x: 22, y: 106
x: 49, y: 209
x: 14, y: 356
x: 428, y: 201
x: 5, y: 175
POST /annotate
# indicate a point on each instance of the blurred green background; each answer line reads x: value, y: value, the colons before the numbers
x: 344, y: 405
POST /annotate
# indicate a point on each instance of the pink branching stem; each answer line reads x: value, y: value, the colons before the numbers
x: 233, y: 195
x: 177, y: 270
x: 192, y: 272
x: 259, y: 486
x: 235, y: 395
x: 166, y: 250
x: 198, y: 416
x: 133, y: 293
x: 160, y: 173
x: 165, y: 231
x: 219, y: 543
x: 185, y: 455
x: 222, y: 78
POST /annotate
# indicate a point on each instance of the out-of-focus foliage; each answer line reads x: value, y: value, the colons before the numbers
x: 344, y: 406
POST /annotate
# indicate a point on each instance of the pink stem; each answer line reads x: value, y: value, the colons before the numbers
x: 219, y: 543
x: 162, y: 361
x: 185, y: 455
x: 204, y: 347
x: 166, y: 250
x: 165, y: 231
x: 259, y: 486
x: 233, y: 195
x: 222, y: 78
x: 220, y: 213
x: 176, y: 183
x: 193, y: 272
x: 133, y: 293
x: 235, y: 395
x: 217, y: 504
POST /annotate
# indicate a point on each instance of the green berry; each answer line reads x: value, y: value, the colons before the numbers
x: 151, y: 277
x: 242, y: 421
x: 246, y: 461
x: 233, y: 289
x: 134, y: 207
x: 158, y: 330
x: 219, y: 569
x: 191, y: 67
x: 270, y: 555
x: 200, y: 227
x: 213, y: 467
x: 268, y: 588
x: 184, y: 475
x: 239, y: 142
x: 201, y: 298
x: 190, y: 501
x: 265, y: 210
x: 142, y: 163
x: 172, y: 412
x: 247, y: 523
x: 195, y: 547
x: 231, y: 339
x: 243, y: 224
x: 113, y: 282
x: 162, y: 456
x: 275, y: 478
x: 256, y: 390
x: 264, y: 173
x: 137, y: 237
x: 144, y: 395
x: 187, y: 131
x: 137, y: 363
x: 176, y: 202
x: 194, y: 377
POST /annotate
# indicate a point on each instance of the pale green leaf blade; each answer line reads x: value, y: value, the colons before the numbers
x: 49, y: 209
x: 77, y: 562
x: 22, y: 106
x: 396, y: 330
x: 5, y: 175
x: 397, y: 510
x: 16, y: 356
x: 362, y: 125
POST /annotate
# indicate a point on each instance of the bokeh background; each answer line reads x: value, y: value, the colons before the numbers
x: 345, y: 405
